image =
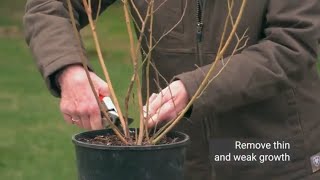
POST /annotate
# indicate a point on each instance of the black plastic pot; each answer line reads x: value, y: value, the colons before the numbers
x: 101, y: 162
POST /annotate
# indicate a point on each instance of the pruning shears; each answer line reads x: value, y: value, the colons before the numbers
x: 112, y: 110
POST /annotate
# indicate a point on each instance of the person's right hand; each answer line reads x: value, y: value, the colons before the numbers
x: 78, y: 104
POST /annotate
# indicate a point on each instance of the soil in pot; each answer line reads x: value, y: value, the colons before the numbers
x: 113, y: 140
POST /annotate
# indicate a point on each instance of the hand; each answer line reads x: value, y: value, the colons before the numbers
x: 78, y: 104
x: 167, y: 104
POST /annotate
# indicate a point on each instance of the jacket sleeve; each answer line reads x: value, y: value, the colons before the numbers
x: 277, y: 62
x: 50, y: 36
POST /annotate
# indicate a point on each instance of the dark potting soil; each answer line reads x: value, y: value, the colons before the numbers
x: 113, y: 140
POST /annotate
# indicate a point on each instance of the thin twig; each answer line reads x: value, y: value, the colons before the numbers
x: 136, y: 10
x: 85, y: 65
x: 235, y: 50
x: 148, y: 65
x: 134, y: 56
x: 98, y: 12
x: 104, y: 68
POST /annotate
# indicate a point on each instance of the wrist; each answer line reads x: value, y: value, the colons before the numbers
x: 64, y: 72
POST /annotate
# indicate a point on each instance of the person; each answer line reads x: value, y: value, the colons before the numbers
x: 269, y: 90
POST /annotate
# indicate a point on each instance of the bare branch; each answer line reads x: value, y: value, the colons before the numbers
x: 155, y: 10
x: 134, y: 56
x: 85, y: 65
x: 104, y: 68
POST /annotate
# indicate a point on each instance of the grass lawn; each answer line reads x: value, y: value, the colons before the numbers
x: 35, y: 143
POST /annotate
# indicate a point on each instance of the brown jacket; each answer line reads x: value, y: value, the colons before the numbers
x: 270, y: 90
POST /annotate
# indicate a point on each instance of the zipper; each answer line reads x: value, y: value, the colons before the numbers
x: 199, y: 39
x: 199, y: 31
x: 199, y: 21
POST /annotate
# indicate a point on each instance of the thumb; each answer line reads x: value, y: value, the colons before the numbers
x: 103, y: 89
x: 102, y: 86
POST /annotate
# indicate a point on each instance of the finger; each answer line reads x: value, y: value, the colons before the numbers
x: 85, y: 122
x: 95, y: 119
x: 102, y: 87
x: 152, y: 97
x: 64, y: 111
x: 152, y: 122
x: 145, y: 112
x: 69, y: 115
x: 159, y: 100
x: 77, y: 121
x: 148, y: 112
x: 67, y: 118
x: 164, y: 113
x: 104, y: 91
x: 83, y: 112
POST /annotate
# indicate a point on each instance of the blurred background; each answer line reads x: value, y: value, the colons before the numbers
x: 35, y: 142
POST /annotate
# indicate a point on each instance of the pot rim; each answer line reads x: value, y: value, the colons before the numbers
x: 184, y: 142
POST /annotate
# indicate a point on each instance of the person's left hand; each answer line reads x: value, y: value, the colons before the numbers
x: 166, y: 105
